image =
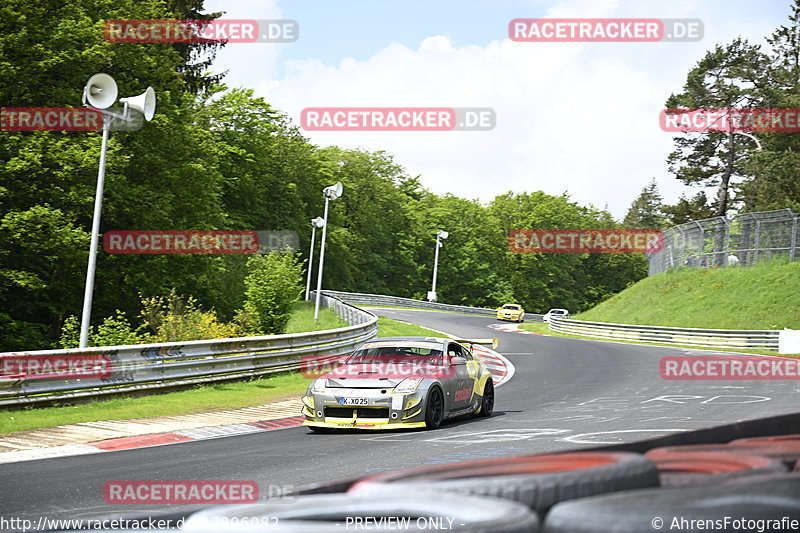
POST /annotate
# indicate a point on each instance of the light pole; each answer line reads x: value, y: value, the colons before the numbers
x: 100, y: 93
x: 440, y: 235
x: 331, y: 192
x: 315, y: 223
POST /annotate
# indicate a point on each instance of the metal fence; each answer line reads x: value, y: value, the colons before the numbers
x: 158, y: 366
x: 380, y: 300
x: 709, y: 338
x: 742, y: 240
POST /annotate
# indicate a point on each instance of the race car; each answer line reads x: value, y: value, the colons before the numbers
x: 513, y: 312
x: 401, y: 382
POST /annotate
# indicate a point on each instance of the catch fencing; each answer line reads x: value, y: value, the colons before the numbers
x: 158, y: 366
x: 742, y: 240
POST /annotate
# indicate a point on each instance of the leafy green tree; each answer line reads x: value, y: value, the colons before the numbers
x: 274, y: 283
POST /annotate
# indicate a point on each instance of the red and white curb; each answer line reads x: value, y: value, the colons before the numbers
x: 146, y: 441
x: 501, y: 368
x: 513, y: 328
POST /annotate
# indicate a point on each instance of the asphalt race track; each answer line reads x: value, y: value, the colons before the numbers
x: 566, y: 394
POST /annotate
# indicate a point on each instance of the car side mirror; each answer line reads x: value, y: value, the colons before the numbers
x: 458, y: 360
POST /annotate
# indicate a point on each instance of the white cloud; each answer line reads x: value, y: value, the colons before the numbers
x: 580, y: 117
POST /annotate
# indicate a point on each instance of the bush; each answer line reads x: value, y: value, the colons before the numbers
x: 274, y: 282
x: 113, y: 331
x: 173, y: 318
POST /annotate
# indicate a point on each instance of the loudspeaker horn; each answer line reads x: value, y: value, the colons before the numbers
x: 145, y: 103
x: 334, y: 191
x: 100, y: 91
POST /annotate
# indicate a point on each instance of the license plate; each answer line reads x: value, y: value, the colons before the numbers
x: 353, y: 401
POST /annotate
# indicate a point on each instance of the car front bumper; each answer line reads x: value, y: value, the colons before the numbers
x: 508, y: 316
x: 384, y: 410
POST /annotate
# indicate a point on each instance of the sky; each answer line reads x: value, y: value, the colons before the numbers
x: 580, y: 118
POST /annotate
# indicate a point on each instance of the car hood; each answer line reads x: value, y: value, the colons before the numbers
x: 361, y: 376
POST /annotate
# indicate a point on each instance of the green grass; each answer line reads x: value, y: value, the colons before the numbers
x: 765, y: 296
x: 201, y: 399
x: 302, y: 319
x: 207, y: 398
x: 393, y: 328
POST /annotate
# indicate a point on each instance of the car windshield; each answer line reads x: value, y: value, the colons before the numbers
x: 386, y: 352
x: 511, y: 306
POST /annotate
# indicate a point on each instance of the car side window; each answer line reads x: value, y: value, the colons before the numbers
x: 454, y: 350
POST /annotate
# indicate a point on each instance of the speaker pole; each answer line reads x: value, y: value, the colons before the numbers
x: 98, y: 202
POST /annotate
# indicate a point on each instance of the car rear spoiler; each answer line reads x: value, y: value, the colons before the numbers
x: 486, y: 342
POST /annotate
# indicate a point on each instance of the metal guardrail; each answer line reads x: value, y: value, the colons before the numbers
x: 379, y: 300
x: 157, y: 366
x: 712, y: 338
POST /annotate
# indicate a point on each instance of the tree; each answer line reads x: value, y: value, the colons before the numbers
x: 274, y: 283
x: 774, y: 170
x: 645, y: 211
x: 686, y: 210
x: 726, y: 78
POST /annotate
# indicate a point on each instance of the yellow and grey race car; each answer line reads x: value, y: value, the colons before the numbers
x: 401, y: 382
x: 513, y: 312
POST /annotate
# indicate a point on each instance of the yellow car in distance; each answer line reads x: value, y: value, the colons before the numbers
x: 513, y: 312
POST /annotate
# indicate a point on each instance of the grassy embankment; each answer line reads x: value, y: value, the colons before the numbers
x: 765, y: 296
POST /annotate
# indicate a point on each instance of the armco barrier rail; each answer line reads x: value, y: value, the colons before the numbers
x: 155, y: 366
x: 713, y: 338
x: 356, y: 298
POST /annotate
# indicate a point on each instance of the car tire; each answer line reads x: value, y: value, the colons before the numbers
x: 787, y: 451
x: 434, y: 408
x: 538, y: 481
x: 689, y: 468
x: 759, y: 498
x: 487, y: 400
x: 330, y: 512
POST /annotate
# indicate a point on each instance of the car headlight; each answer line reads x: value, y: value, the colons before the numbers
x: 319, y: 385
x: 408, y: 385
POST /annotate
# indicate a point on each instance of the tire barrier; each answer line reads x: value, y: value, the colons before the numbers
x: 696, y: 468
x: 341, y: 512
x: 786, y: 451
x: 538, y: 481
x: 740, y: 505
